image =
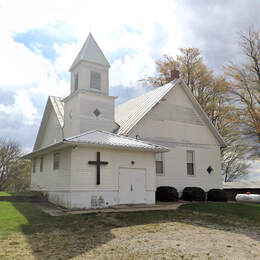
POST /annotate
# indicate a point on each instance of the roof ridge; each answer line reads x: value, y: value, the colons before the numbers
x: 55, y: 97
x: 81, y: 134
x: 130, y: 138
x: 119, y: 136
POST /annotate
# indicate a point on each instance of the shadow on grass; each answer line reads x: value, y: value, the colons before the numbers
x: 70, y: 236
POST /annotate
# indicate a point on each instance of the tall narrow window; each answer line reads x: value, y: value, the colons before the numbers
x: 41, y: 164
x: 190, y: 162
x: 76, y: 81
x: 159, y: 163
x: 95, y: 80
x: 56, y: 161
x: 34, y: 165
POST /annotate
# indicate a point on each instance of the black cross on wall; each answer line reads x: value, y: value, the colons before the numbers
x: 98, y: 163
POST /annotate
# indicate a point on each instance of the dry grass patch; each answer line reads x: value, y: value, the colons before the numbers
x: 176, y: 234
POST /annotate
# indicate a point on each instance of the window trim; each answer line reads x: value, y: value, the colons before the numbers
x: 76, y: 78
x: 41, y: 164
x: 34, y: 165
x: 55, y: 168
x: 95, y: 89
x: 163, y: 168
x: 193, y: 162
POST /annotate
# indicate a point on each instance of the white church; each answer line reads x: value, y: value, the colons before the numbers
x: 89, y: 153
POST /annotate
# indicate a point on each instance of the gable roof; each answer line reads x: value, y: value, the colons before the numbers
x: 128, y: 114
x: 57, y: 105
x: 104, y: 138
x: 91, y: 52
x: 98, y: 138
x: 242, y: 185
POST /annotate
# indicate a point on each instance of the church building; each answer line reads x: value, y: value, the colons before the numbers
x: 89, y: 153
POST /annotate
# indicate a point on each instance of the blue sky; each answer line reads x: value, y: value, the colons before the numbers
x: 42, y: 40
x: 38, y: 45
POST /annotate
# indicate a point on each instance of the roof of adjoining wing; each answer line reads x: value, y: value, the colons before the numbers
x: 128, y: 114
x: 103, y: 138
x: 91, y: 52
x: 242, y: 185
x: 98, y: 138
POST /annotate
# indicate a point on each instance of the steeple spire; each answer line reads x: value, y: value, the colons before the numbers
x: 91, y: 52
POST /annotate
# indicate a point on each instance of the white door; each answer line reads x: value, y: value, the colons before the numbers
x: 131, y: 186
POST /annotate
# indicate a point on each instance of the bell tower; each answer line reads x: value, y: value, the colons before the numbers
x: 89, y: 106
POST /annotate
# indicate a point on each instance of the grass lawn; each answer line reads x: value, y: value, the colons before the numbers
x: 29, y: 193
x: 246, y: 211
x: 27, y: 233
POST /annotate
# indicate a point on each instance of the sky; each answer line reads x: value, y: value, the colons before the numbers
x: 40, y: 39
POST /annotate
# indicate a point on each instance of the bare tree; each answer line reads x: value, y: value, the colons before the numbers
x: 213, y: 94
x: 245, y: 88
x: 14, y: 172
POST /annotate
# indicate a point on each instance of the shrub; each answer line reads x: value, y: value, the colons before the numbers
x: 166, y: 193
x: 217, y: 195
x: 193, y: 193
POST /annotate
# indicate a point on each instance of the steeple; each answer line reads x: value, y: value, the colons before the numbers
x: 89, y: 105
x: 90, y: 52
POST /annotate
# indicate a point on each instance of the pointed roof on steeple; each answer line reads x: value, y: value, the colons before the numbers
x: 91, y: 52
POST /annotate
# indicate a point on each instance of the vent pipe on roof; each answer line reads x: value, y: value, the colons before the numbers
x: 175, y: 74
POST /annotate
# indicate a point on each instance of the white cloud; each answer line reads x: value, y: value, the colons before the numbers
x: 22, y: 106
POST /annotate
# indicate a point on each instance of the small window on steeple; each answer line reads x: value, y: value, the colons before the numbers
x: 95, y: 80
x: 76, y: 81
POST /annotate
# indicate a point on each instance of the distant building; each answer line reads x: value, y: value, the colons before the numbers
x: 234, y: 188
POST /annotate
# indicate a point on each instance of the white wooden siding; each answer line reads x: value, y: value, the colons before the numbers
x: 52, y: 133
x: 180, y: 136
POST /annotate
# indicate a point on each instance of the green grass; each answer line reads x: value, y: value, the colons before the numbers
x: 25, y: 193
x: 3, y: 193
x: 246, y: 211
x: 28, y: 233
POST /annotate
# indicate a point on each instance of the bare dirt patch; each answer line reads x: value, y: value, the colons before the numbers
x: 154, y: 235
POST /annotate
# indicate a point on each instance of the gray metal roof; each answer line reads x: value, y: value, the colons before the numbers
x: 128, y: 114
x: 107, y: 139
x: 242, y: 185
x: 58, y: 107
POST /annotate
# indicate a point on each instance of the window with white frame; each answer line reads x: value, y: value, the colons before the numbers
x: 95, y: 80
x: 76, y: 81
x: 190, y: 163
x: 41, y: 164
x: 34, y: 165
x: 56, y: 161
x: 159, y: 163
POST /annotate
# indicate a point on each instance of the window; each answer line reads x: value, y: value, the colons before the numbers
x: 41, y: 164
x: 190, y: 162
x: 56, y: 161
x: 95, y: 80
x: 76, y: 81
x: 159, y: 163
x: 34, y: 165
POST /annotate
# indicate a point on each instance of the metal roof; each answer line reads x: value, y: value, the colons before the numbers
x: 103, y: 138
x: 242, y: 185
x: 58, y: 107
x: 128, y: 114
x: 91, y: 52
